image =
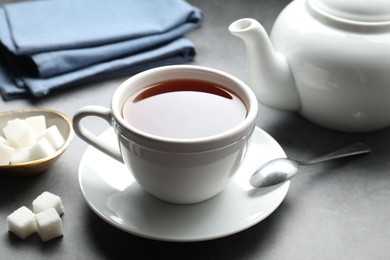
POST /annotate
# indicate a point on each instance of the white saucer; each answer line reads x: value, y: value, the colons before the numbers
x: 113, y: 195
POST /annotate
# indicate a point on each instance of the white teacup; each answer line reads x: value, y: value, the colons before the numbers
x: 179, y: 170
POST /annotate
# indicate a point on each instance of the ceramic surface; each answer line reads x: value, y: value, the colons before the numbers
x: 192, y: 169
x: 327, y: 60
x: 113, y: 194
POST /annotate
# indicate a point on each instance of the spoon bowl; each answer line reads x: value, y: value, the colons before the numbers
x: 274, y: 172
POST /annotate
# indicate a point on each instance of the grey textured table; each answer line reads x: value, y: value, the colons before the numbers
x: 337, y: 210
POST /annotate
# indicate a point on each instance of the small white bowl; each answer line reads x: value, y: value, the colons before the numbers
x: 56, y: 118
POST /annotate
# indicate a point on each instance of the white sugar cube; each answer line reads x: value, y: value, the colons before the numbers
x: 48, y: 200
x: 37, y: 123
x: 41, y: 149
x: 49, y: 224
x: 53, y: 135
x: 5, y: 154
x: 20, y: 155
x: 22, y: 222
x: 18, y: 133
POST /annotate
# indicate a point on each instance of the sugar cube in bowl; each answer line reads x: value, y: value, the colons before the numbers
x: 47, y: 126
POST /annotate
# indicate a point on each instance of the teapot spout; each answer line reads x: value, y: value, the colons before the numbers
x: 269, y: 73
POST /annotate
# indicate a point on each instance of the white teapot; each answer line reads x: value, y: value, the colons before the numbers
x: 329, y: 60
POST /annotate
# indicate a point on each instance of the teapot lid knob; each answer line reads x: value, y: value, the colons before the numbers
x: 366, y: 11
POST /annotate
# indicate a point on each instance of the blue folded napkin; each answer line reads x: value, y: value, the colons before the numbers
x: 48, y: 45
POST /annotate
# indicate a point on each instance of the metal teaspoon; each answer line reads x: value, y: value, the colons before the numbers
x: 279, y: 170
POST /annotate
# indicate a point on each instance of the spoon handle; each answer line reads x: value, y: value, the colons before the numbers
x: 353, y: 149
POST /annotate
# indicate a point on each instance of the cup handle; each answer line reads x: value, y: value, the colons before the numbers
x: 89, y: 137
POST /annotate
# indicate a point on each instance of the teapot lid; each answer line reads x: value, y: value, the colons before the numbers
x: 365, y: 11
